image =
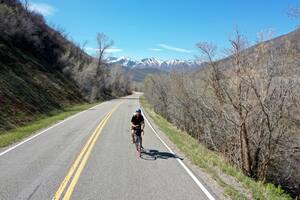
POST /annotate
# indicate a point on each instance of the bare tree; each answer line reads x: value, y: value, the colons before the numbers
x: 209, y: 52
x: 101, y: 75
x: 26, y: 5
x: 104, y: 43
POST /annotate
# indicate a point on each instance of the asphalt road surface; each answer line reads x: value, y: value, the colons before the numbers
x: 90, y: 156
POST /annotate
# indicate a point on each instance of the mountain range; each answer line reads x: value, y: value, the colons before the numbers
x: 165, y: 65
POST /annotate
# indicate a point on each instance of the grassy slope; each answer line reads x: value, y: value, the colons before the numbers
x: 212, y: 163
x: 14, y: 135
x: 32, y: 96
x: 29, y: 89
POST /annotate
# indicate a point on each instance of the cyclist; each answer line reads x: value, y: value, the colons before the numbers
x: 137, y: 120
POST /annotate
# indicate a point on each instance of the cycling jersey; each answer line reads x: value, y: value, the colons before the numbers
x: 137, y: 120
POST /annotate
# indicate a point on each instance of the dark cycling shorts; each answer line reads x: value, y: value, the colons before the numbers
x: 138, y: 133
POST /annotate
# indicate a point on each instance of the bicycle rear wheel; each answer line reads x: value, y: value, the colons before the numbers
x: 138, y: 144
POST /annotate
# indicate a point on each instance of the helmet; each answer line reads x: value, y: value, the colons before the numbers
x: 138, y: 110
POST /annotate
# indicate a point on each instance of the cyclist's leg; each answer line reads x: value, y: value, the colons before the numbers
x: 140, y: 145
x: 132, y: 135
x: 140, y: 140
x: 137, y: 142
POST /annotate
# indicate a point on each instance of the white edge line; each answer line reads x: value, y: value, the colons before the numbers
x: 190, y: 173
x: 39, y: 133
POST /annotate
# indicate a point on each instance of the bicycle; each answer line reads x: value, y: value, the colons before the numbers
x: 138, y: 139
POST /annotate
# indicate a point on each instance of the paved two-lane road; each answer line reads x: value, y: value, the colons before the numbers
x: 108, y: 166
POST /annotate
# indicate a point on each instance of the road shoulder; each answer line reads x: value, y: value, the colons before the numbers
x: 204, y: 178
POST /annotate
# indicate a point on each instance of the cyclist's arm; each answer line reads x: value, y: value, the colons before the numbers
x: 132, y: 124
x: 143, y: 123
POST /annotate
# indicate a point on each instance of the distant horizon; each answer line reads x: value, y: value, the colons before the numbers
x: 138, y: 59
x: 165, y: 30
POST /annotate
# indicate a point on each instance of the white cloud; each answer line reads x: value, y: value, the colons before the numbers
x: 172, y: 48
x: 154, y: 49
x: 94, y: 51
x: 42, y: 8
x: 90, y: 50
x: 113, y: 50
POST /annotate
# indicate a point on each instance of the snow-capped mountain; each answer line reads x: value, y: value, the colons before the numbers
x: 165, y: 65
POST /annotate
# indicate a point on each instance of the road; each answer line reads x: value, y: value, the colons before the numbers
x: 90, y: 156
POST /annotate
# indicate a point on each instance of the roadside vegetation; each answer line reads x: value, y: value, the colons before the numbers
x: 245, y: 106
x: 43, y: 121
x: 215, y: 164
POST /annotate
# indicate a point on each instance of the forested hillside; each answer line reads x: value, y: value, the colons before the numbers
x: 245, y: 106
x: 41, y: 70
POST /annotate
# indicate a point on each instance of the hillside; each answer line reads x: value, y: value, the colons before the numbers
x: 277, y: 46
x: 139, y: 74
x: 28, y: 88
x: 41, y: 70
x: 279, y: 61
x: 245, y: 107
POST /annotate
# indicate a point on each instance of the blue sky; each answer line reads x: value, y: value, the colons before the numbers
x: 165, y: 29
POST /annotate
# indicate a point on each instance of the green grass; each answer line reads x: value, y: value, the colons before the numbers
x: 14, y: 135
x: 212, y: 162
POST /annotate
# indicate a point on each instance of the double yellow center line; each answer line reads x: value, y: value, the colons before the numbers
x: 73, y: 175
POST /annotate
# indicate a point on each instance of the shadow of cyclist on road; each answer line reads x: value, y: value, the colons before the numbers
x: 152, y: 154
